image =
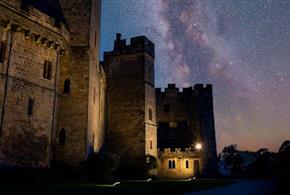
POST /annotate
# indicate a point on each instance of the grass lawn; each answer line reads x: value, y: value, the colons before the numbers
x: 125, y: 187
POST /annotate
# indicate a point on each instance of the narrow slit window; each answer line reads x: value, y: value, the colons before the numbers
x: 66, y: 88
x: 151, y: 145
x: 94, y: 95
x: 187, y: 164
x: 62, y: 136
x: 150, y: 114
x: 30, y: 107
x: 169, y: 164
x: 47, y: 70
x: 2, y: 51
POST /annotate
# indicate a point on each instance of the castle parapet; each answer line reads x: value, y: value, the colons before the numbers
x: 24, y: 9
x: 198, y: 90
x: 137, y: 45
x: 178, y: 152
x: 202, y: 90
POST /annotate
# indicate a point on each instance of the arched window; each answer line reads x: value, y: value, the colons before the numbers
x: 30, y: 107
x: 173, y: 164
x: 150, y: 114
x: 187, y: 164
x: 66, y: 87
x: 62, y: 137
x: 169, y: 164
x: 47, y: 69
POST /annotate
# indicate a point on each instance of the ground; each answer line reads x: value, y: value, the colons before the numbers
x: 242, y: 187
x: 125, y: 187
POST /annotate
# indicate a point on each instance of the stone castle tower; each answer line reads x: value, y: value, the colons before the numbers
x: 81, y: 108
x: 131, y: 128
x: 52, y: 87
x: 186, y: 118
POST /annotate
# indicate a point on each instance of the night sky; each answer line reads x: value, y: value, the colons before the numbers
x: 241, y: 47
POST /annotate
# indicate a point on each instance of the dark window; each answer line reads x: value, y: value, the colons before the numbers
x: 166, y: 108
x: 47, y: 70
x: 2, y: 51
x: 96, y: 39
x: 149, y: 72
x: 66, y: 88
x: 62, y: 137
x: 30, y: 107
x: 150, y: 114
x: 171, y: 164
x: 182, y: 124
x: 187, y: 164
x: 151, y: 144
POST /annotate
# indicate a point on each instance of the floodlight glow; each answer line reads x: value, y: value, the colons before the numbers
x: 198, y: 146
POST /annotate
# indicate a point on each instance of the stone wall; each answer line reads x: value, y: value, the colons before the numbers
x: 26, y: 137
x: 186, y: 118
x: 81, y: 111
x: 130, y: 95
x: 181, y: 168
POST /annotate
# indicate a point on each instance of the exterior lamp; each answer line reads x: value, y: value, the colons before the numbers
x: 198, y: 146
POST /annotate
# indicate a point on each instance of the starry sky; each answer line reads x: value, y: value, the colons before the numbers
x: 241, y: 47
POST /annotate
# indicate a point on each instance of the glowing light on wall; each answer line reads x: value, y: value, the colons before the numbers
x: 198, y: 146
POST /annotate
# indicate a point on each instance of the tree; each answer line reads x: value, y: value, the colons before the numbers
x: 231, y: 159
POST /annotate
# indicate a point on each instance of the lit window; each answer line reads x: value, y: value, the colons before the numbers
x: 30, y: 107
x: 47, y: 70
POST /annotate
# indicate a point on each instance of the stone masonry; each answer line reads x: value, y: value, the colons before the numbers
x: 186, y: 118
x: 131, y: 130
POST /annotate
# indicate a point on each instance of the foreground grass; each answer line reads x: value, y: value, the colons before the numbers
x: 125, y: 187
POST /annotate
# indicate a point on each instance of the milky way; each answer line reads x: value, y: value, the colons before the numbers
x: 241, y: 47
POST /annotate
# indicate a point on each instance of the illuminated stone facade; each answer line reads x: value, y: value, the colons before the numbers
x: 186, y: 118
x: 38, y: 54
x: 179, y: 164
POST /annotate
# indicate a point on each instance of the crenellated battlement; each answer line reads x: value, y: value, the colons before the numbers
x: 137, y: 44
x: 178, y: 152
x: 195, y: 91
x: 25, y: 8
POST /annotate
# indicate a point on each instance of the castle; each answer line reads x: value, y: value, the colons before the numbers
x: 59, y: 103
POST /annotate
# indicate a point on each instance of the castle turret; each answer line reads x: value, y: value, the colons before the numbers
x: 131, y: 132
x: 81, y: 103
